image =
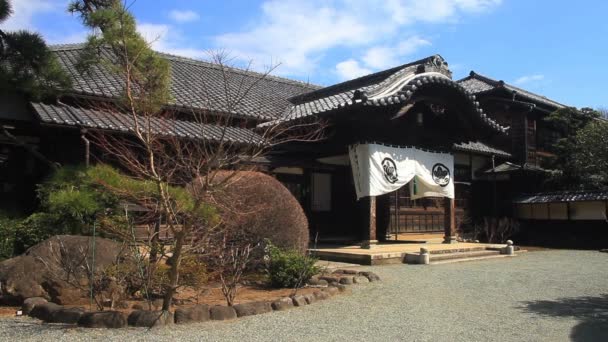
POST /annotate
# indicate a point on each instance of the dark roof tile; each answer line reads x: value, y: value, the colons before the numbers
x: 479, y: 147
x: 100, y: 119
x: 563, y: 196
x: 479, y: 84
x: 194, y: 84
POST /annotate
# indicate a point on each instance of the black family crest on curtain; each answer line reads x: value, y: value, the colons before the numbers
x: 390, y: 170
x: 441, y: 175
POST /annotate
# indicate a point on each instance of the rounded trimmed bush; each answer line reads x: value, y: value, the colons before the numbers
x: 256, y: 206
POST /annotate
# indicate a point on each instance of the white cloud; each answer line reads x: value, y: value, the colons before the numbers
x: 24, y: 12
x: 166, y: 38
x: 155, y: 34
x: 350, y: 69
x: 381, y: 57
x: 299, y: 33
x: 529, y: 79
x: 183, y: 16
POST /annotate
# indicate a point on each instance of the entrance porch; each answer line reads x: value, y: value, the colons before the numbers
x: 416, y: 106
x: 399, y: 253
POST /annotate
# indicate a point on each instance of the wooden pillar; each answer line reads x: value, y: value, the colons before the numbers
x: 371, y: 231
x: 449, y: 220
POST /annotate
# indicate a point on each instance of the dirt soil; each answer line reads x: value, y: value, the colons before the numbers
x: 8, y: 310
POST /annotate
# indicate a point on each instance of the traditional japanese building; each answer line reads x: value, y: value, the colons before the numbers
x: 494, y: 132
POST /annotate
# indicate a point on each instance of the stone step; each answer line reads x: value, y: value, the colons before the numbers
x: 462, y: 255
x: 454, y: 254
x: 457, y: 250
x: 449, y: 261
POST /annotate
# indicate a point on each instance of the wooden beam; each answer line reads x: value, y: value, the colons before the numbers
x: 371, y: 231
x: 449, y: 220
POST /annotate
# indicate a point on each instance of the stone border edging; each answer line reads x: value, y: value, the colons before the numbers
x: 329, y: 285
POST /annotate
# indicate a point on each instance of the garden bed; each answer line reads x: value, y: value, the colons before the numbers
x: 253, y: 300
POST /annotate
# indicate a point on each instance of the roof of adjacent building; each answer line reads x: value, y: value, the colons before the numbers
x: 480, y: 148
x: 388, y: 87
x: 195, y: 84
x: 479, y: 84
x: 507, y: 167
x: 113, y: 121
x: 563, y: 196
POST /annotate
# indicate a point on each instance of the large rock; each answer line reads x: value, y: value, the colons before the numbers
x: 222, y: 313
x: 30, y: 303
x: 195, y: 313
x: 103, y: 319
x: 66, y: 315
x: 150, y: 319
x: 252, y: 308
x: 62, y: 292
x: 44, y: 311
x: 40, y: 271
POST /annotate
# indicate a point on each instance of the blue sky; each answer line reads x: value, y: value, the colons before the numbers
x: 555, y: 48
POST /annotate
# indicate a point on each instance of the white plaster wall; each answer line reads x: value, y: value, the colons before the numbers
x: 559, y: 211
x: 588, y: 210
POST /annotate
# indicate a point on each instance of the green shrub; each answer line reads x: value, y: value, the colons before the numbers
x: 288, y: 268
x: 8, y: 229
x: 74, y: 198
x: 35, y: 229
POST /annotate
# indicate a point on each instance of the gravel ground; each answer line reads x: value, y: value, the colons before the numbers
x: 537, y: 296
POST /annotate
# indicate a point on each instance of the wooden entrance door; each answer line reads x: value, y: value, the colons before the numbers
x: 425, y: 215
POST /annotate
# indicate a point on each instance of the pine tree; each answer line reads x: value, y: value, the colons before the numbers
x: 26, y: 63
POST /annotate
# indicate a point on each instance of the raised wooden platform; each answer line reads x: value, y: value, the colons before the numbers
x: 397, y: 253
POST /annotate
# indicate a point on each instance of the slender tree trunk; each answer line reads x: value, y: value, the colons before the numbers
x: 174, y: 270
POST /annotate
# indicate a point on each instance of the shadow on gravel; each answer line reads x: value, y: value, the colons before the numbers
x: 592, y: 312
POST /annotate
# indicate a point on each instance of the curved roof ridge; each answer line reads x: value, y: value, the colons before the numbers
x: 401, y: 93
x: 382, y: 77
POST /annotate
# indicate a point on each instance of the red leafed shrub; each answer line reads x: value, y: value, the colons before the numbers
x: 254, y: 206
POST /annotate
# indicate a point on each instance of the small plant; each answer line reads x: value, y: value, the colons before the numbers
x: 288, y: 268
x: 233, y: 260
x: 7, y: 236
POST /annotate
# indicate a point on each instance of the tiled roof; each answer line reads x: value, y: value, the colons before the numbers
x: 194, y: 84
x: 563, y: 196
x: 393, y: 86
x: 106, y: 120
x: 511, y: 167
x: 479, y: 147
x: 479, y: 84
